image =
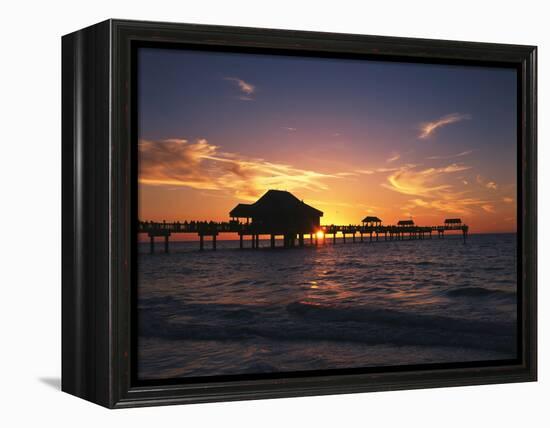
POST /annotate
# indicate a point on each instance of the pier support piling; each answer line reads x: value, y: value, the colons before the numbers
x: 288, y: 241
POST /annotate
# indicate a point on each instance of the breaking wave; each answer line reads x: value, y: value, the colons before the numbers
x: 301, y: 321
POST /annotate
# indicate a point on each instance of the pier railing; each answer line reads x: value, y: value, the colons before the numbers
x: 355, y: 233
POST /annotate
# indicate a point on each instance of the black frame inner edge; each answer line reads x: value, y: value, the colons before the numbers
x: 134, y: 129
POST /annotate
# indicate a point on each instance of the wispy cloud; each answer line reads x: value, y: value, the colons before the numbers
x: 507, y: 200
x: 457, y: 155
x: 383, y: 169
x: 430, y: 190
x: 428, y: 128
x: 347, y: 174
x: 365, y: 171
x: 201, y: 165
x: 330, y: 203
x: 289, y: 129
x: 451, y: 204
x: 423, y: 182
x: 247, y: 89
x: 488, y: 208
x: 393, y: 157
x: 486, y: 183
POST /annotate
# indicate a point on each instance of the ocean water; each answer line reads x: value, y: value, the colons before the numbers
x: 337, y: 306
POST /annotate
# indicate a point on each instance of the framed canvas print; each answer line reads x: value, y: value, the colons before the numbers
x: 262, y: 213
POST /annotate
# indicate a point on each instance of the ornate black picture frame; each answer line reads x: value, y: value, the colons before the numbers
x: 99, y: 224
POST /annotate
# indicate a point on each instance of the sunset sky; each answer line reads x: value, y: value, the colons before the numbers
x: 349, y: 137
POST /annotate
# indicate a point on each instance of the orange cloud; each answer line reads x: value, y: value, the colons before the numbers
x: 387, y: 169
x: 432, y: 192
x: 365, y: 171
x: 488, y: 208
x: 201, y: 165
x: 410, y: 181
x: 428, y: 128
x: 488, y: 184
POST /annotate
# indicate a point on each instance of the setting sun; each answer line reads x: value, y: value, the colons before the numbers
x: 320, y: 234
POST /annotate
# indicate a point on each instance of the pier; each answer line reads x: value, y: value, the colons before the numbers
x: 249, y: 234
x: 279, y: 214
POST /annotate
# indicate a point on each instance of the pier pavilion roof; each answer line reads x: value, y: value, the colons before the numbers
x: 371, y: 219
x: 405, y: 223
x: 273, y: 203
x: 242, y: 211
x: 453, y: 221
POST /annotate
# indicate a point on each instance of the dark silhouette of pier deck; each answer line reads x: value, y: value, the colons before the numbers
x: 348, y: 233
x: 280, y: 214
